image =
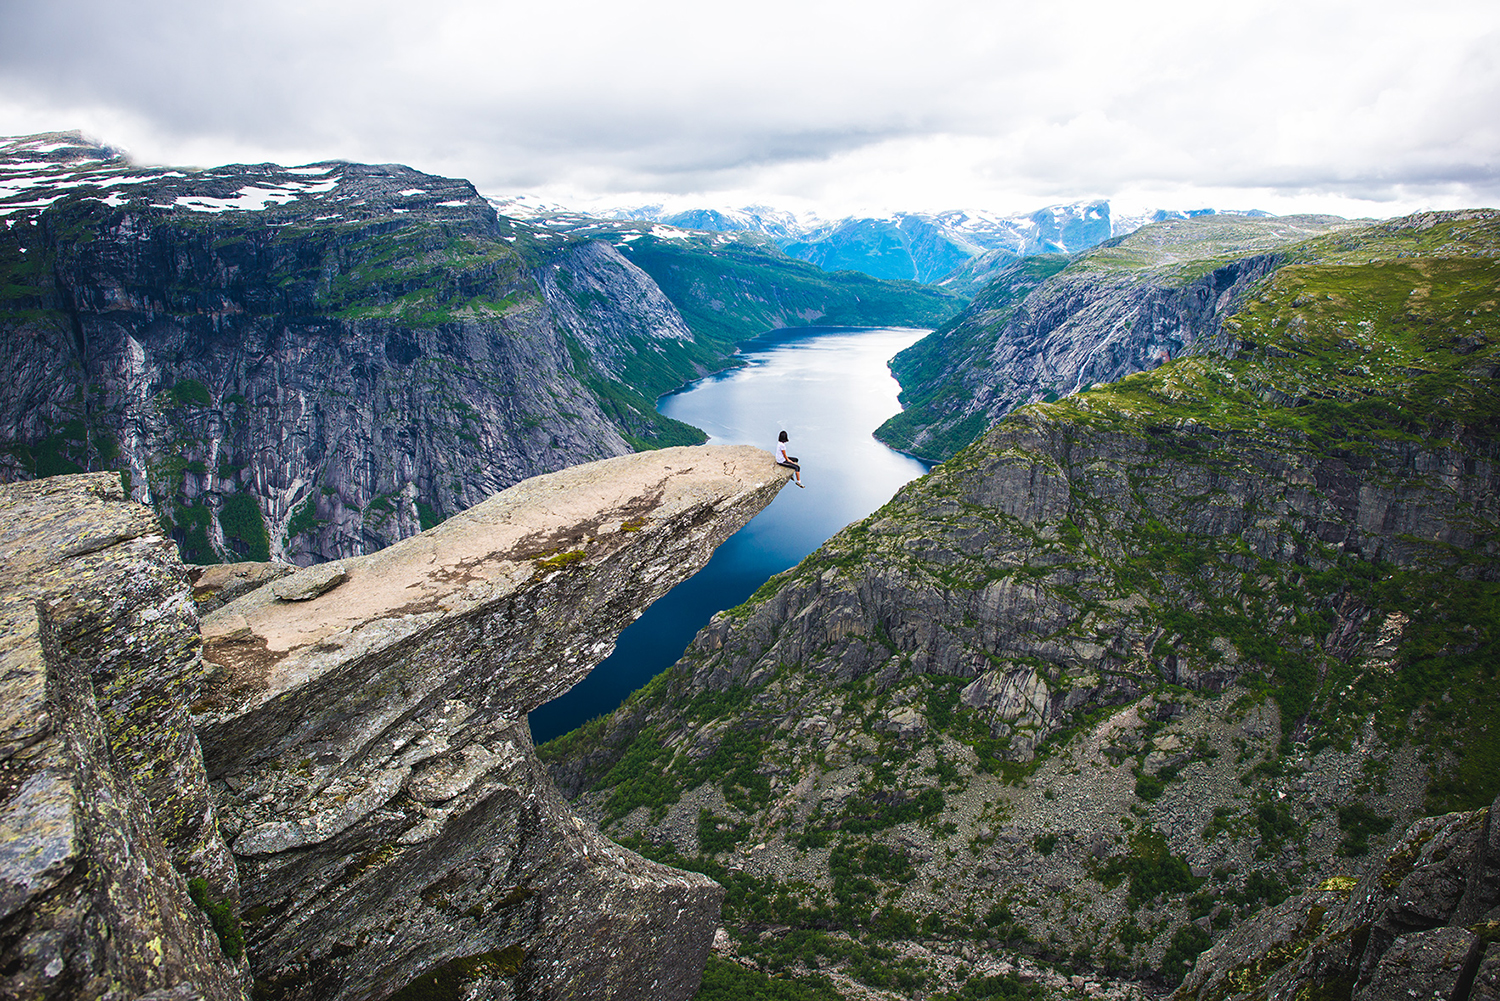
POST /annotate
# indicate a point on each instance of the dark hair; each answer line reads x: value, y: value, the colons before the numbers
x: 782, y: 436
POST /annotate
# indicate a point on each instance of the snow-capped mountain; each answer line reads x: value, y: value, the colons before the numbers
x: 958, y: 249
x: 913, y: 245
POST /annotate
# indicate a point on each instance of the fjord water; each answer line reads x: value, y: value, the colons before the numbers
x: 828, y: 388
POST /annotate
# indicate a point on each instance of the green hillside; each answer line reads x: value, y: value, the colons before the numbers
x: 737, y: 288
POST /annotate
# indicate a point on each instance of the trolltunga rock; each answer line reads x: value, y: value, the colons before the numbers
x: 376, y: 778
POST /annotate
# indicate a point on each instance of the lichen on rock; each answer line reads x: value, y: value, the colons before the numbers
x: 105, y: 798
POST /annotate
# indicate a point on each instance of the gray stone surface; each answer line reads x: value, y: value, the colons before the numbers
x: 1425, y: 966
x: 310, y: 582
x: 1399, y: 935
x: 216, y: 585
x: 104, y: 806
x: 1486, y: 986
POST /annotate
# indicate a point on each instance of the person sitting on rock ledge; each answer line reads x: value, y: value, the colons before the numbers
x: 789, y: 461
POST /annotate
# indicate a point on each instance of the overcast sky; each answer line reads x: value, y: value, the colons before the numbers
x: 1359, y: 108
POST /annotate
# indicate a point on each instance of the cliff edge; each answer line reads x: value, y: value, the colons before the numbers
x: 365, y: 752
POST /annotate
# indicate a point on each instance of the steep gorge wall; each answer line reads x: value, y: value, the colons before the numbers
x: 320, y: 376
x: 1049, y: 327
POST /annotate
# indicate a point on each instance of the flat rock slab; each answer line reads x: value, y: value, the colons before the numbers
x: 477, y: 557
x: 390, y: 712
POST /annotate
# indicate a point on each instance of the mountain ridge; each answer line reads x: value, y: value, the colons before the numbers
x: 1049, y: 326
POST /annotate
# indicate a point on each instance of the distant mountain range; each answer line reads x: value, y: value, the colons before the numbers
x: 918, y: 246
x: 959, y: 249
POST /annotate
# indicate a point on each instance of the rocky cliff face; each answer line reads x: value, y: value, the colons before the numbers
x: 1047, y: 327
x: 1423, y: 921
x: 310, y: 363
x: 1131, y: 667
x: 365, y: 752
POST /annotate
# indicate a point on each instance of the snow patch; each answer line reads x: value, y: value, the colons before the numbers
x: 40, y: 203
x: 456, y: 204
x: 408, y: 192
x: 110, y: 182
x: 247, y: 199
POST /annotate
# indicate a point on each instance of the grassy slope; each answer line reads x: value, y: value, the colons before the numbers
x: 737, y: 288
x: 1375, y: 343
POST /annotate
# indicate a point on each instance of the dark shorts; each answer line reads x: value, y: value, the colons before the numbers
x: 790, y: 465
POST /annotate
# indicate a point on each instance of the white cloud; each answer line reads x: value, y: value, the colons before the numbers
x: 1378, y: 106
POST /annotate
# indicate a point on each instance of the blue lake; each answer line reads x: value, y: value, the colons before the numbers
x: 828, y: 388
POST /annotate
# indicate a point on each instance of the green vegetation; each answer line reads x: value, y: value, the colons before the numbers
x: 652, y: 775
x: 561, y: 561
x: 732, y: 290
x: 189, y: 526
x: 1182, y: 952
x: 423, y: 274
x: 640, y: 778
x: 241, y: 520
x: 221, y: 915
x: 728, y: 981
x: 304, y: 519
x: 448, y: 982
x: 1359, y: 823
x: 1151, y: 868
x: 632, y: 404
x: 190, y: 392
x: 717, y: 834
x: 428, y: 516
x: 997, y: 987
